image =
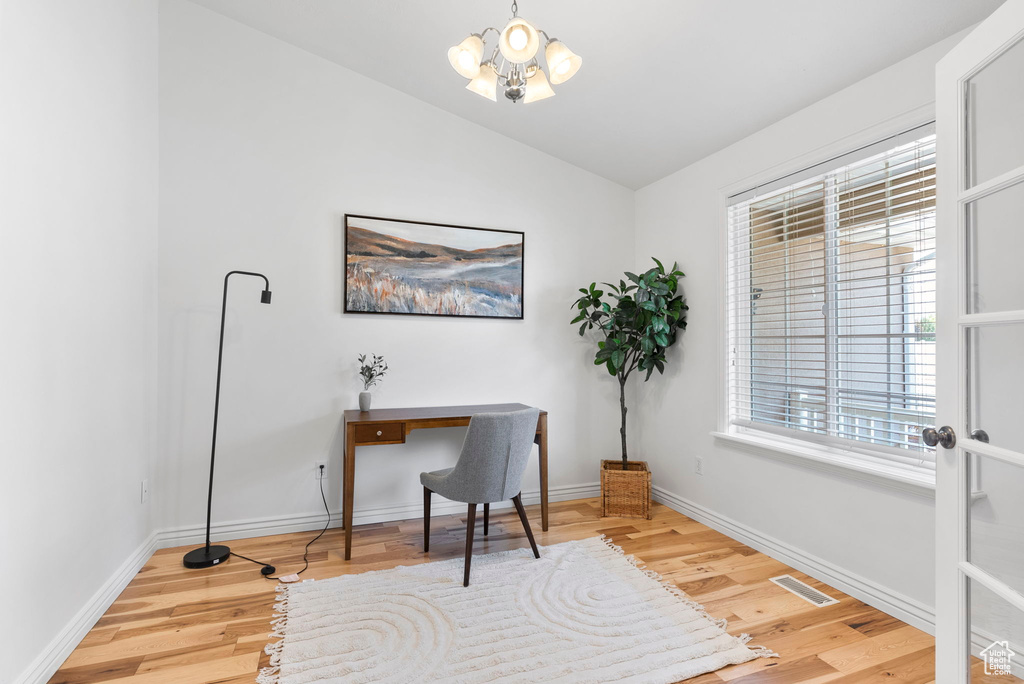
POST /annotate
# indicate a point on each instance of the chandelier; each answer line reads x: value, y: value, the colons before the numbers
x: 513, y: 62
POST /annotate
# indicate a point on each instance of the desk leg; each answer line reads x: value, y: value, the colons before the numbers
x: 349, y: 486
x: 542, y: 442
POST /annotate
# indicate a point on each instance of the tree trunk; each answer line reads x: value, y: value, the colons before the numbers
x: 622, y: 406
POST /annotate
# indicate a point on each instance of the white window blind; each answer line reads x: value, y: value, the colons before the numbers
x: 832, y: 302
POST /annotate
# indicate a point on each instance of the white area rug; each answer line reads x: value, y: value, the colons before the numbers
x: 583, y: 612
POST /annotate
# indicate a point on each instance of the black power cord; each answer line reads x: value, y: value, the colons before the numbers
x: 268, y: 570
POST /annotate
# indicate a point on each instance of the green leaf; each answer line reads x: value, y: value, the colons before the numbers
x: 633, y: 276
x: 661, y: 339
x: 660, y: 267
x: 648, y: 306
x: 583, y: 329
x: 618, y: 358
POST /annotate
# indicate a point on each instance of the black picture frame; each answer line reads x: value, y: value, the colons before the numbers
x: 404, y: 266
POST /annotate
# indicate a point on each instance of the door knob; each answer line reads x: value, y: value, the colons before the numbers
x: 980, y: 436
x: 944, y: 436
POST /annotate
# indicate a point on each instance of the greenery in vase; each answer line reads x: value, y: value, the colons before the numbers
x: 636, y: 321
x: 372, y: 371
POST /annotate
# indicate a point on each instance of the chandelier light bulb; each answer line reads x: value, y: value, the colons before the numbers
x: 518, y: 38
x: 519, y: 42
x: 562, y: 62
x: 465, y: 57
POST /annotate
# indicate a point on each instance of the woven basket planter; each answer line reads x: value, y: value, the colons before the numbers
x: 625, y: 493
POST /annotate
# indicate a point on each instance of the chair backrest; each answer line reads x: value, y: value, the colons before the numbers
x: 494, y: 455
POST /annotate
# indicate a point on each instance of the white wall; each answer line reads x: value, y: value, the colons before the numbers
x: 78, y: 211
x: 263, y: 148
x: 868, y: 530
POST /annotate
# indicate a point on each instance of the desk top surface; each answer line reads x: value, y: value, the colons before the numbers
x: 427, y: 413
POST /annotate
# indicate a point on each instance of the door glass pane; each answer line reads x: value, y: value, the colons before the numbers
x: 996, y: 383
x: 995, y: 245
x: 995, y: 108
x: 997, y: 633
x: 996, y: 519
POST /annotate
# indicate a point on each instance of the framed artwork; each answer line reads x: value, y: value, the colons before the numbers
x: 432, y: 269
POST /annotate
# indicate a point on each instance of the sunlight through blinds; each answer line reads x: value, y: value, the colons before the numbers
x: 832, y: 302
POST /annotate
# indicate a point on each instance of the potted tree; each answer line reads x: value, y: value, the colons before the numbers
x: 636, y: 322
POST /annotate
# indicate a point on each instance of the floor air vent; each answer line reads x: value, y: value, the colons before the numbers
x: 809, y: 594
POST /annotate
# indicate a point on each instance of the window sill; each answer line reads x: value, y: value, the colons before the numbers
x: 919, y: 481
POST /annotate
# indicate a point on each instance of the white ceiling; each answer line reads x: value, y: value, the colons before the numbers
x: 664, y: 82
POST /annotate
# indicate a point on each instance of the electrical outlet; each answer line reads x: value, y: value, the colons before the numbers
x: 698, y: 465
x: 144, y: 494
x: 316, y: 469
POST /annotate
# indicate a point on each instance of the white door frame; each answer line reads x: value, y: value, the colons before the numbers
x: 952, y: 625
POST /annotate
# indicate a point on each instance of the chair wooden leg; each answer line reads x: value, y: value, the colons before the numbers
x: 426, y: 520
x: 470, y: 526
x: 526, y: 523
x: 487, y: 517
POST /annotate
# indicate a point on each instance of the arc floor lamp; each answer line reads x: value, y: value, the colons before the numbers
x: 206, y: 556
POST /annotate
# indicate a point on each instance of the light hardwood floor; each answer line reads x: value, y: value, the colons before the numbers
x: 173, y: 625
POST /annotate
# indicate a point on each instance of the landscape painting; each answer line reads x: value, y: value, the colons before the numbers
x: 430, y: 269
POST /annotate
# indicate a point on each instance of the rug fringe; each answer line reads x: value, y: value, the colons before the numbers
x: 272, y: 674
x: 670, y: 587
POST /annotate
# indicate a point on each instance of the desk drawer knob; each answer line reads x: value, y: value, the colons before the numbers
x: 379, y: 433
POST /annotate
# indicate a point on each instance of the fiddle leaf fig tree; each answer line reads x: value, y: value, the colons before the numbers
x: 636, y: 322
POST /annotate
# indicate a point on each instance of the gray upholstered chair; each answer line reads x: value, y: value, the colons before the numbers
x: 490, y: 469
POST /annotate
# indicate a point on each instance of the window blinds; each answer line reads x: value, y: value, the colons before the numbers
x: 832, y: 302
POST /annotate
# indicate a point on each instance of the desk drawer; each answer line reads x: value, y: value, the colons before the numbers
x: 380, y: 433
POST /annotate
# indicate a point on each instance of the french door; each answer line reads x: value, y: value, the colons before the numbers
x: 980, y: 387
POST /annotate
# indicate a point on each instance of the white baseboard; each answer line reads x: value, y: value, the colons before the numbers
x: 43, y: 667
x: 261, y: 527
x: 898, y: 605
x: 57, y: 651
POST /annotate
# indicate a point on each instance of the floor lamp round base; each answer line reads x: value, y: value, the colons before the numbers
x: 205, y: 557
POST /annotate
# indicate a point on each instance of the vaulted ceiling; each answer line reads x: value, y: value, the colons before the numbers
x: 664, y: 82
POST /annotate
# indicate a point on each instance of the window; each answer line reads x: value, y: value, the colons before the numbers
x: 832, y: 302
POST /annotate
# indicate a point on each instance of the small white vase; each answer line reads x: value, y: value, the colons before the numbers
x: 364, y: 401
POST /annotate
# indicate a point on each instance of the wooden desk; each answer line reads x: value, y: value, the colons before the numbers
x: 390, y: 426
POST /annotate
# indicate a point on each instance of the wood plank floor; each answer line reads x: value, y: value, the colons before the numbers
x: 203, y: 626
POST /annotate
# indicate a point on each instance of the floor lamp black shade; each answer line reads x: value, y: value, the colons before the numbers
x: 206, y: 556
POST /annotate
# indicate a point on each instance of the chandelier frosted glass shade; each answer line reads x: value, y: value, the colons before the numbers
x: 563, y: 63
x: 519, y: 42
x: 537, y: 88
x: 485, y: 83
x: 512, y: 61
x: 465, y: 57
